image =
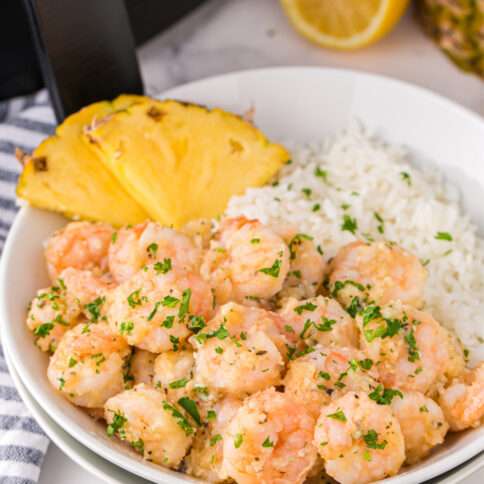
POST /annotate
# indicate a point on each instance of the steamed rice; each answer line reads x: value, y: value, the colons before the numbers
x: 360, y: 179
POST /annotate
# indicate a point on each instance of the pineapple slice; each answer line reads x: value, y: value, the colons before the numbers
x: 65, y: 174
x: 182, y: 161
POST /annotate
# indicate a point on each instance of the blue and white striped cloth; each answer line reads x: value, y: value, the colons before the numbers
x: 24, y: 122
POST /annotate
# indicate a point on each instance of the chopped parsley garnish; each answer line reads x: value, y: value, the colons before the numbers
x: 443, y: 236
x: 126, y: 327
x: 152, y: 249
x: 211, y: 415
x: 239, y: 438
x: 170, y: 301
x: 168, y: 322
x: 349, y: 224
x: 371, y: 440
x: 366, y: 364
x: 307, y: 325
x: 180, y: 419
x: 309, y: 306
x: 272, y: 271
x: 153, y: 311
x: 413, y: 353
x: 354, y: 307
x: 325, y: 325
x: 196, y: 323
x: 117, y: 424
x: 114, y: 237
x: 288, y: 328
x: 381, y: 225
x: 367, y: 455
x: 321, y: 173
x: 43, y: 329
x: 406, y: 177
x: 296, y: 241
x: 138, y: 446
x: 94, y: 308
x: 307, y: 192
x: 191, y: 408
x: 384, y: 396
x: 62, y: 382
x: 325, y: 375
x: 388, y: 327
x: 175, y: 341
x: 216, y: 438
x: 345, y: 206
x: 339, y: 285
x: 316, y: 207
x: 267, y: 443
x: 219, y: 350
x: 134, y: 299
x: 338, y: 415
x: 220, y: 333
x: 185, y: 303
x: 162, y: 267
x: 72, y: 362
x: 424, y: 409
x: 255, y: 241
x: 181, y: 383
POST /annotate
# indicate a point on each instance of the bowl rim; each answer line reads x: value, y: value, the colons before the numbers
x: 158, y: 473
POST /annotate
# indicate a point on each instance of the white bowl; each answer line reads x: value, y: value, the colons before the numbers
x: 302, y: 104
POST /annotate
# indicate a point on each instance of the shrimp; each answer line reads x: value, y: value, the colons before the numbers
x: 376, y: 272
x: 247, y: 261
x: 359, y: 440
x: 173, y: 373
x: 412, y: 350
x: 153, y: 426
x: 82, y: 245
x: 422, y: 422
x: 142, y: 366
x: 463, y: 401
x: 327, y: 373
x: 318, y: 320
x: 156, y: 311
x: 76, y: 294
x: 269, y: 440
x: 87, y: 366
x: 307, y: 266
x: 133, y: 248
x: 240, y: 351
x: 200, y: 230
x: 206, y: 455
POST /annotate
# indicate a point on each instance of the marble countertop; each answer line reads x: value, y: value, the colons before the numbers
x: 229, y: 35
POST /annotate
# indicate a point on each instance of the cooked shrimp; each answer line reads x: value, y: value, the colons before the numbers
x: 378, y: 272
x: 200, y: 230
x: 87, y: 366
x: 154, y: 311
x: 240, y: 351
x: 412, y: 350
x: 463, y: 401
x: 56, y: 309
x: 173, y: 373
x: 205, y: 458
x: 268, y: 441
x: 307, y: 266
x: 142, y: 366
x: 318, y: 320
x: 154, y: 427
x: 422, y: 422
x: 359, y: 440
x: 247, y: 261
x: 327, y: 373
x: 132, y: 248
x: 82, y: 245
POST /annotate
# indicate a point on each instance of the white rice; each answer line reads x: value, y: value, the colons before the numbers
x: 366, y: 174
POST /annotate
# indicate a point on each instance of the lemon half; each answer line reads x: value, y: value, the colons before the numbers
x: 344, y: 24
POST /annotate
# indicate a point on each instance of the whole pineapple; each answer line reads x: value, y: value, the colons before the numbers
x: 458, y: 28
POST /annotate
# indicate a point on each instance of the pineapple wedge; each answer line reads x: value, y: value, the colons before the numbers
x: 65, y: 174
x: 182, y: 161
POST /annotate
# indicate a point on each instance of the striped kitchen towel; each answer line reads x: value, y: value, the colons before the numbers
x: 24, y: 122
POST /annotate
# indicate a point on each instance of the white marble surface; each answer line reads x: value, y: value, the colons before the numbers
x: 228, y: 35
